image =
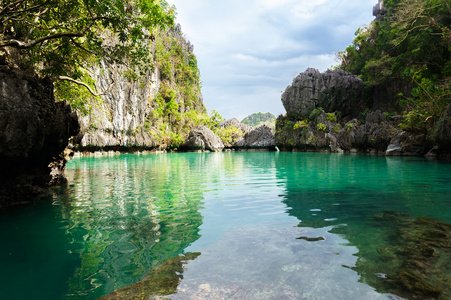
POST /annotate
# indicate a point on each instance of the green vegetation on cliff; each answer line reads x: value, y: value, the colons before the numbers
x: 75, y: 42
x: 258, y: 119
x: 406, y: 56
x: 178, y: 106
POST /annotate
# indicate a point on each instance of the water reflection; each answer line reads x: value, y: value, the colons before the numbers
x: 242, y: 225
x: 372, y: 203
x: 128, y: 215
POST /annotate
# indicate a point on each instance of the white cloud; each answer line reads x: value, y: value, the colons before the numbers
x: 248, y: 51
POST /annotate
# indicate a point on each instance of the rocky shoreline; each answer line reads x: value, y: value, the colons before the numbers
x: 326, y: 112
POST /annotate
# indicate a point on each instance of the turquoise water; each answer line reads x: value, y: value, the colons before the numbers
x: 263, y: 225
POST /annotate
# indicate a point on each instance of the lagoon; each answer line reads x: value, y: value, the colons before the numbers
x: 234, y: 225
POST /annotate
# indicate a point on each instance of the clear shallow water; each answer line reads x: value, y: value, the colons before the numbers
x: 262, y: 225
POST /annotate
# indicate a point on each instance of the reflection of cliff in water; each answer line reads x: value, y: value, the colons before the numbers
x: 128, y: 214
x: 397, y: 253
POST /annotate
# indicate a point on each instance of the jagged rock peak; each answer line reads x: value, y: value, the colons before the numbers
x: 176, y: 32
x: 234, y: 122
x: 333, y: 90
x: 379, y: 10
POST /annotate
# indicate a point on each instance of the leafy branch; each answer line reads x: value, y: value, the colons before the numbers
x: 63, y: 38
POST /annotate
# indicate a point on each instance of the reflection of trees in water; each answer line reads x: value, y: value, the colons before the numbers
x: 396, y: 253
x: 128, y: 214
x: 206, y: 173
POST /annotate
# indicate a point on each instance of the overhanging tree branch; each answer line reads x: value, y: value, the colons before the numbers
x: 23, y: 44
x: 87, y: 86
x: 9, y: 6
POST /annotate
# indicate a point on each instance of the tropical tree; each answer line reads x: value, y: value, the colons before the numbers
x: 61, y: 38
x: 412, y: 45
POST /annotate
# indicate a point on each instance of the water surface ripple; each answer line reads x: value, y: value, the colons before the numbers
x: 244, y: 225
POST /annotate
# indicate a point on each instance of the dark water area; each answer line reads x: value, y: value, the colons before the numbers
x: 241, y: 225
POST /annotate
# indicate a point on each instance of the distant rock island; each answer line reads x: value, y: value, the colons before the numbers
x: 258, y: 119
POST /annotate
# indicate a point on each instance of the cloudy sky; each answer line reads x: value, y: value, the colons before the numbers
x: 248, y: 51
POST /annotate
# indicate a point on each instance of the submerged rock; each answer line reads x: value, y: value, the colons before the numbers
x: 161, y: 281
x: 416, y: 264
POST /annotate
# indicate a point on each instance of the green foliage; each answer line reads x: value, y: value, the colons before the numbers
x: 321, y: 127
x: 76, y: 95
x: 228, y: 135
x: 64, y: 38
x: 178, y: 107
x: 315, y: 113
x: 412, y: 45
x: 331, y: 117
x: 301, y: 124
x: 215, y: 120
x: 259, y: 118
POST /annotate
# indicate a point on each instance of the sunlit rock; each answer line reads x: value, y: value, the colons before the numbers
x: 202, y: 138
x: 332, y: 90
x: 260, y: 137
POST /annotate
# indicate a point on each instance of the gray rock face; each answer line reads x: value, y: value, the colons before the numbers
x: 236, y: 123
x: 332, y: 90
x: 379, y: 10
x: 407, y: 145
x: 261, y: 137
x: 117, y: 122
x: 34, y: 130
x: 123, y: 120
x: 202, y: 138
x: 373, y: 135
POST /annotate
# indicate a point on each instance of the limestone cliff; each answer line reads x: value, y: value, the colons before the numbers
x: 332, y: 90
x: 34, y: 130
x: 154, y: 111
x: 334, y: 115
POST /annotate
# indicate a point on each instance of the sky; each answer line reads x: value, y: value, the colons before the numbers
x: 249, y: 51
